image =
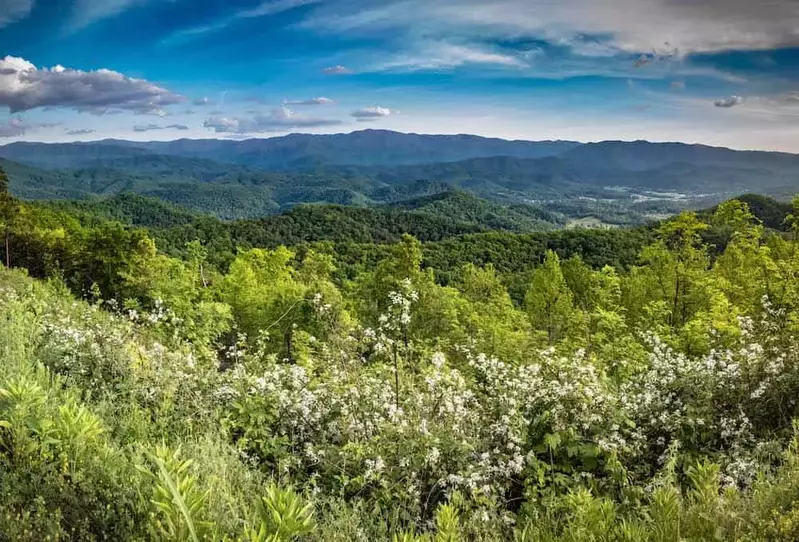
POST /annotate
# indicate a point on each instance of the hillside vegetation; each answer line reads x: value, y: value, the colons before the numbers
x: 642, y: 387
x: 613, y: 182
x: 456, y: 227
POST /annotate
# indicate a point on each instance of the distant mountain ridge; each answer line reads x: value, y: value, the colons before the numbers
x: 615, y: 181
x: 293, y: 151
x: 385, y: 148
x: 642, y: 155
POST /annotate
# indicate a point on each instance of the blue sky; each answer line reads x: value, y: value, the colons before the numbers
x: 722, y: 72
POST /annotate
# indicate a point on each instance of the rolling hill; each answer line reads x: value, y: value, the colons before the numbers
x: 612, y: 182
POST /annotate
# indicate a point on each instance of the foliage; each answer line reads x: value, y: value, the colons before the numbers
x: 176, y: 498
x: 283, y: 516
x: 275, y: 399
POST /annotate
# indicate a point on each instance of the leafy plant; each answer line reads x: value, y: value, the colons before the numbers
x: 283, y: 516
x: 176, y: 498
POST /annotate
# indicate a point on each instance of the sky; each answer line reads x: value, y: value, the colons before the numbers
x: 718, y: 72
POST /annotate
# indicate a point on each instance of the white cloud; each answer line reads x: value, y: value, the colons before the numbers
x: 337, y: 70
x: 372, y: 113
x: 312, y: 101
x: 635, y: 26
x: 278, y: 120
x: 29, y: 87
x: 80, y: 131
x: 442, y: 55
x: 12, y: 11
x: 201, y: 102
x: 728, y: 102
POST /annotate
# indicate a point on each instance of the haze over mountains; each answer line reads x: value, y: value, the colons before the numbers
x: 255, y: 177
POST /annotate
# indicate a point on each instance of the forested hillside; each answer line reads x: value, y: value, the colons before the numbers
x: 366, y: 147
x: 307, y: 377
x: 456, y: 228
x: 608, y: 183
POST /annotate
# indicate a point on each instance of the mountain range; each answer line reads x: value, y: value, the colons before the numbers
x: 291, y: 152
x: 616, y: 181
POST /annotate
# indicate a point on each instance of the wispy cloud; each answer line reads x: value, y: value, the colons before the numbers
x: 270, y: 7
x: 443, y: 55
x: 17, y: 126
x: 337, y: 70
x: 146, y: 127
x: 312, y: 101
x: 730, y: 101
x: 87, y: 12
x: 368, y: 114
x: 636, y: 26
x: 12, y: 11
x: 568, y: 37
x: 80, y: 131
x: 279, y: 120
x: 13, y: 128
x: 29, y: 87
x: 780, y: 106
x: 151, y: 127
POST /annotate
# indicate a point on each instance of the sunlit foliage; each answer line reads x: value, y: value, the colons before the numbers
x: 276, y: 400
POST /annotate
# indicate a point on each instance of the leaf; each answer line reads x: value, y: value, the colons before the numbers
x: 177, y: 498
